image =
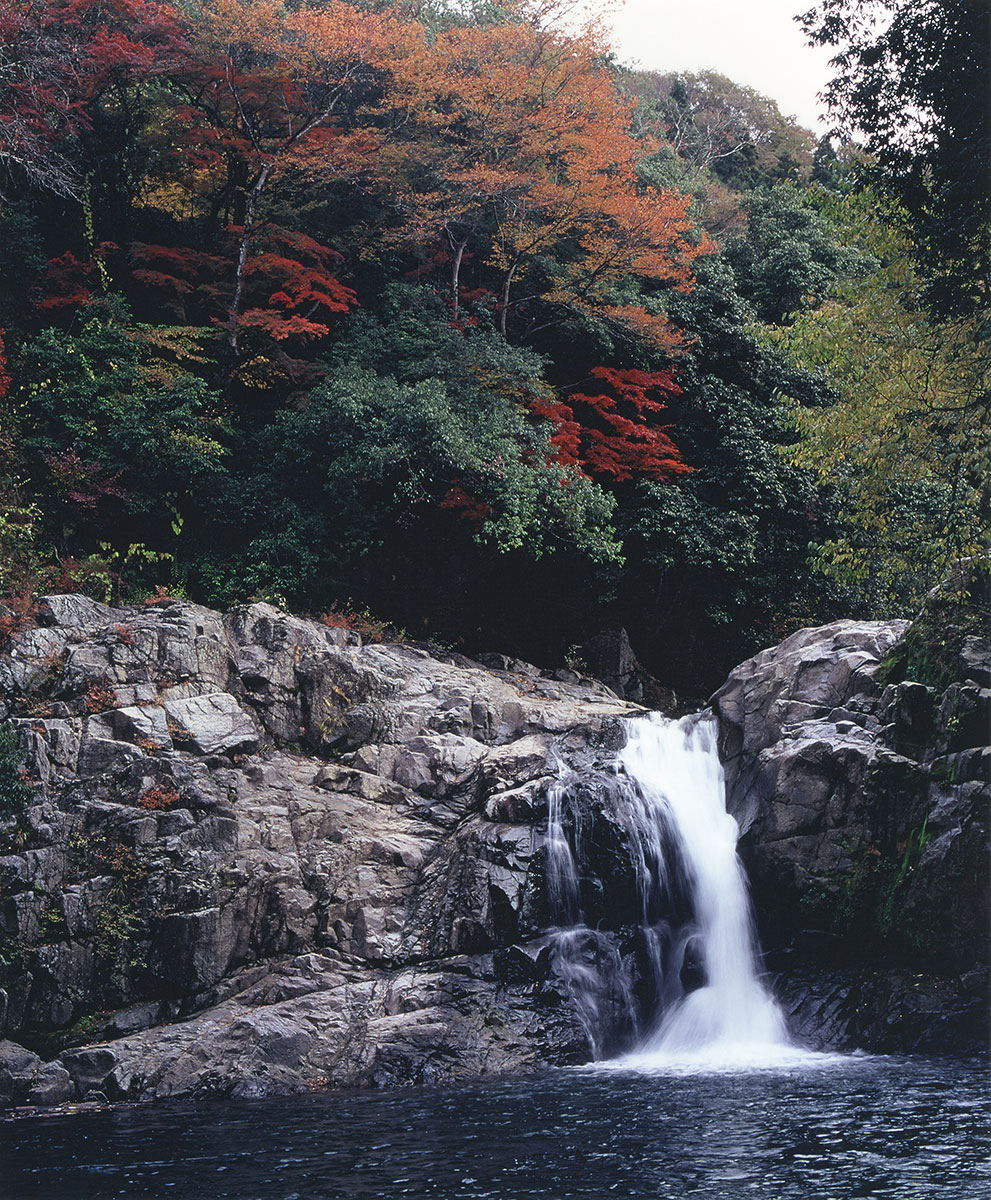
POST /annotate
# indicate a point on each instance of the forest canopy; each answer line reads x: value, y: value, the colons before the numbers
x: 433, y: 310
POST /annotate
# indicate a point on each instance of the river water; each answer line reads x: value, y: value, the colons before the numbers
x: 848, y: 1127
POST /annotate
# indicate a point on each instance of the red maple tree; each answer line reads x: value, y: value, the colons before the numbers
x: 56, y: 58
x: 612, y: 433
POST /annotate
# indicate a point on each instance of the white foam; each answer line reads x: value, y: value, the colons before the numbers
x: 725, y: 1057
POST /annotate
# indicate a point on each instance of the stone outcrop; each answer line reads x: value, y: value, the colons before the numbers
x: 258, y: 855
x: 864, y: 809
x: 261, y: 856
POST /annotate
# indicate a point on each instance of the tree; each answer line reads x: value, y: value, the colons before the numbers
x: 716, y: 560
x: 121, y: 438
x: 218, y: 352
x: 518, y: 143
x: 904, y: 446
x: 612, y: 433
x: 912, y: 78
x: 417, y: 460
x: 718, y: 126
x: 57, y: 58
x: 269, y: 92
x: 789, y: 257
x: 19, y: 517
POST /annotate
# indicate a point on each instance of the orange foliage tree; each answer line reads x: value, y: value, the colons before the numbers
x: 517, y: 141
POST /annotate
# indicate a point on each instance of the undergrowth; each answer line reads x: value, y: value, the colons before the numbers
x: 929, y: 653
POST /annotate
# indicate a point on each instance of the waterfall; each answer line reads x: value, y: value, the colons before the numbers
x: 588, y: 960
x: 676, y: 767
x: 701, y: 999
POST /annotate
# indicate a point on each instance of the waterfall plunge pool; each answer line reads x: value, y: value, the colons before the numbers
x: 855, y: 1127
x: 715, y: 1102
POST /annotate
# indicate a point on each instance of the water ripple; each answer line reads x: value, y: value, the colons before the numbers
x: 868, y: 1127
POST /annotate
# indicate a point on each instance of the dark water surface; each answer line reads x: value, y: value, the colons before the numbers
x: 861, y: 1127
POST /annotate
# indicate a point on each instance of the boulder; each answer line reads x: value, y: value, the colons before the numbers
x: 18, y: 1068
x: 52, y: 1084
x: 210, y: 724
x: 89, y: 1069
x: 75, y: 612
x: 610, y: 657
x: 864, y: 809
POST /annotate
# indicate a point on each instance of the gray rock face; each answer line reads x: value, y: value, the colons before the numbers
x: 18, y: 1068
x: 610, y: 657
x: 212, y: 724
x: 262, y: 856
x: 865, y: 811
x: 808, y: 775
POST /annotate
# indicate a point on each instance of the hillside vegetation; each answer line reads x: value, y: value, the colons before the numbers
x: 432, y: 318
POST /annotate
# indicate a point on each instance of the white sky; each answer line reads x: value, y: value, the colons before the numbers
x: 754, y: 42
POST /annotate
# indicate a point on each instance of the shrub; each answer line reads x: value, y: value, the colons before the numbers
x: 14, y: 792
x: 363, y: 622
x: 16, y: 615
x: 100, y: 697
x: 159, y: 798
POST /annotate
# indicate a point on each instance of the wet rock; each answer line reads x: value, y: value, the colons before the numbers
x: 865, y: 812
x: 89, y: 1068
x: 17, y: 1070
x: 975, y: 661
x: 888, y: 1012
x: 273, y: 855
x: 52, y: 1084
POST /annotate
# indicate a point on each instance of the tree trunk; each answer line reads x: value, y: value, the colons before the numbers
x: 504, y: 305
x: 242, y: 255
x: 459, y: 250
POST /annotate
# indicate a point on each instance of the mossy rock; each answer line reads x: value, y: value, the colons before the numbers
x: 932, y: 650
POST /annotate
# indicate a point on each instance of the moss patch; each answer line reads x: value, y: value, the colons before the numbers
x: 930, y: 651
x: 863, y: 903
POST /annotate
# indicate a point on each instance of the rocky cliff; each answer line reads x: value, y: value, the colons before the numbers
x: 256, y: 855
x: 864, y: 807
x: 259, y: 855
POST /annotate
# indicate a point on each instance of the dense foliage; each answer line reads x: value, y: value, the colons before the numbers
x: 913, y: 80
x: 14, y: 792
x: 905, y: 445
x: 430, y: 308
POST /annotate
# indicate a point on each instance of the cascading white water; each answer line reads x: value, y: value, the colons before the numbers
x: 588, y: 961
x: 693, y: 927
x: 731, y: 1017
